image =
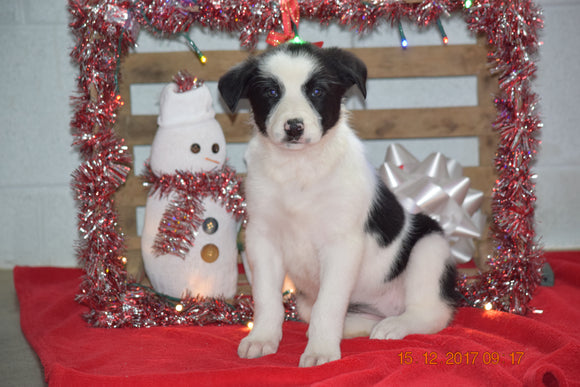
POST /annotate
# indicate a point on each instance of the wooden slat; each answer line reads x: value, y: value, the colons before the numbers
x: 487, y: 149
x: 140, y: 130
x: 482, y: 178
x: 487, y: 88
x: 426, y: 61
x: 134, y: 243
x: 124, y: 111
x: 132, y: 194
x: 369, y: 124
x: 417, y: 123
x: 382, y: 62
x: 161, y: 67
x: 128, y: 220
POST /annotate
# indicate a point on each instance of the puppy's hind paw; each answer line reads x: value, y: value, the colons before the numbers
x: 391, y: 328
x: 251, y: 348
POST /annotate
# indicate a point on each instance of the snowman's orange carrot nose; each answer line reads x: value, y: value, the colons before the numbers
x: 212, y: 160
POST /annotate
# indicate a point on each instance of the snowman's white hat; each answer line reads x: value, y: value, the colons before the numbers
x: 183, y: 108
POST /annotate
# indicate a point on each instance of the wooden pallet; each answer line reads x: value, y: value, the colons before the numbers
x: 431, y: 61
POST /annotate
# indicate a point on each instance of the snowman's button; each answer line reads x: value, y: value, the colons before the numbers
x: 210, y: 253
x: 210, y: 225
x: 195, y: 148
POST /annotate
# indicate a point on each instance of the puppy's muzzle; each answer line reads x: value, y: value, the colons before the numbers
x: 294, y: 128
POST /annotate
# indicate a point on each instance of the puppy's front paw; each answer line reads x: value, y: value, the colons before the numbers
x: 318, y: 356
x: 391, y: 328
x: 253, y: 347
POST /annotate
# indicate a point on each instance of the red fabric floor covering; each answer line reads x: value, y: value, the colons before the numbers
x: 480, y: 348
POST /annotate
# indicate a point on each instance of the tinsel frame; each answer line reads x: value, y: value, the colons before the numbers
x: 106, y: 29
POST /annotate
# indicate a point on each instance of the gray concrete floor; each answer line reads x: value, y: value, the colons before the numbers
x: 19, y: 365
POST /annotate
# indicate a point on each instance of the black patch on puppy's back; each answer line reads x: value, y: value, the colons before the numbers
x: 386, y: 217
x: 448, y: 282
x: 421, y: 225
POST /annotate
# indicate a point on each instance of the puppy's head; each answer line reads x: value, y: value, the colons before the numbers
x: 295, y: 90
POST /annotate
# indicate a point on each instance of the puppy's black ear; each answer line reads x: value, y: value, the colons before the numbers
x: 233, y: 85
x: 351, y: 69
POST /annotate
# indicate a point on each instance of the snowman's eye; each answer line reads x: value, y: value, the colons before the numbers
x: 195, y: 148
x: 215, y: 148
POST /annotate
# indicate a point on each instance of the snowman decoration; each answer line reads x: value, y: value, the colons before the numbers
x: 194, y: 208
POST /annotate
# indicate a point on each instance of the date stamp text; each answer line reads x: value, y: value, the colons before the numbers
x: 461, y: 358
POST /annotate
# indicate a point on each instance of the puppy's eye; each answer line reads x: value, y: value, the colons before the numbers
x: 195, y: 148
x: 272, y: 92
x: 215, y: 148
x: 316, y: 92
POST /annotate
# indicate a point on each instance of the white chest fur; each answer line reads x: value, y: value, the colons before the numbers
x: 305, y: 200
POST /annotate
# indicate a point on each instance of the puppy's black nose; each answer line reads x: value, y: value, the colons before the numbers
x: 294, y: 129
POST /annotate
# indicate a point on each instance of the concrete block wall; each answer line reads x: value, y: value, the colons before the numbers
x: 37, y: 210
x: 37, y: 221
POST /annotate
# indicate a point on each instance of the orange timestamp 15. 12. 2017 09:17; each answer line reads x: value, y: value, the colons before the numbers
x: 461, y: 358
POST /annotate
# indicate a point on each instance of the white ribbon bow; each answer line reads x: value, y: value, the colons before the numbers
x: 436, y: 186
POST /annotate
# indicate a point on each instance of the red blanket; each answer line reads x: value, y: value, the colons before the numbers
x: 478, y: 348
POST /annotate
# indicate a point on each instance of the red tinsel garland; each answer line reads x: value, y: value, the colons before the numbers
x: 105, y: 29
x: 189, y: 190
x: 511, y: 28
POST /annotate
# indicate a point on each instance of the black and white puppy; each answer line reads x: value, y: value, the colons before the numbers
x: 318, y: 212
